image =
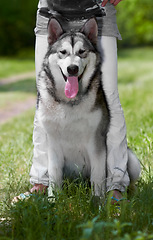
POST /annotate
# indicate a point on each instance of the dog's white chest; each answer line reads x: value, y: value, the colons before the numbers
x: 79, y: 129
x: 73, y: 124
x: 70, y: 132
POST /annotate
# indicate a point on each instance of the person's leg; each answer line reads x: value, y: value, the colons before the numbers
x: 39, y: 169
x: 117, y: 175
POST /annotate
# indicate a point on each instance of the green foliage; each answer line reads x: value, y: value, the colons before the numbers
x: 111, y: 230
x: 73, y: 216
x: 135, y: 22
x: 17, y: 21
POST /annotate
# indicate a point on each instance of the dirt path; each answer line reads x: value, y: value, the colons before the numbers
x: 16, y: 78
x: 16, y: 109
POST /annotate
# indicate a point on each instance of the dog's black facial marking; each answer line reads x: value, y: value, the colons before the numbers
x: 49, y: 79
x: 63, y: 53
x: 82, y: 53
x: 72, y: 40
x: 38, y: 99
x: 65, y: 78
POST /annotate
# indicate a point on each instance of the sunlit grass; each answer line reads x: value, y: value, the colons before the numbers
x: 12, y: 66
x: 136, y: 95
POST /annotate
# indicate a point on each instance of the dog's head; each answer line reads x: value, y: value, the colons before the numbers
x: 73, y: 56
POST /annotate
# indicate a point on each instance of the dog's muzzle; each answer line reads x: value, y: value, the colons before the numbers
x: 72, y: 81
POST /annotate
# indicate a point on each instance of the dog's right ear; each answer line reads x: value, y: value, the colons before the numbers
x: 54, y: 30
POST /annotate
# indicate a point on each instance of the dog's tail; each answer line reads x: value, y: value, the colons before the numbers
x: 133, y: 167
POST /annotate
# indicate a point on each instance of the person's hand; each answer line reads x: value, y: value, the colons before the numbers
x: 114, y: 2
x: 38, y: 188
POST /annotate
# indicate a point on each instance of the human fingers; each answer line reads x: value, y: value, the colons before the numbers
x: 112, y: 1
x: 104, y: 3
x: 116, y: 2
x: 38, y: 187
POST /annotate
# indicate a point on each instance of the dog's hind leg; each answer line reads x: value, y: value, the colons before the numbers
x: 133, y: 168
x: 55, y: 168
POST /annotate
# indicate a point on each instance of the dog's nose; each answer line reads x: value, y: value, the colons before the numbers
x: 73, y: 69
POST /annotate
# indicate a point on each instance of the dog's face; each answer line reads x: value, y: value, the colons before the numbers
x: 72, y: 57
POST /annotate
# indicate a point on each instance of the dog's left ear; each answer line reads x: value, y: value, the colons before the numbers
x: 54, y: 30
x: 90, y: 29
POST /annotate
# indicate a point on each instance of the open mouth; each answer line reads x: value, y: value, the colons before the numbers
x: 65, y: 77
x: 72, y: 85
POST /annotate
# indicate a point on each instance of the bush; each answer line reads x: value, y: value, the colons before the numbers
x: 17, y: 23
x: 135, y: 21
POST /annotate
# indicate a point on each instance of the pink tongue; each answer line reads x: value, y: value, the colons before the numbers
x: 71, y: 87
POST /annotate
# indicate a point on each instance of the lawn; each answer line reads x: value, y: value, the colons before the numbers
x: 18, y: 91
x: 75, y: 214
x: 16, y: 65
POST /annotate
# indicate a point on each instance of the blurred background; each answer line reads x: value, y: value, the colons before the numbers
x: 17, y: 42
x: 17, y: 21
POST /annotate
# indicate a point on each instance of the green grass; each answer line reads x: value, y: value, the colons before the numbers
x: 21, y: 90
x: 75, y: 214
x: 12, y: 66
x: 136, y: 97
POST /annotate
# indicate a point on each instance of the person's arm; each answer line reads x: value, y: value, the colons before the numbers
x: 114, y: 2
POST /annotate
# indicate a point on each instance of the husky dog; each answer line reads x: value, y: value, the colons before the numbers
x: 72, y: 108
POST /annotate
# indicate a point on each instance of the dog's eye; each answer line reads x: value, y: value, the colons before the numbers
x: 63, y: 52
x: 82, y: 51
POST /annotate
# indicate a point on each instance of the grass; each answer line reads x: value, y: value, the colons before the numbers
x: 75, y: 214
x: 136, y: 96
x: 21, y: 90
x: 16, y: 65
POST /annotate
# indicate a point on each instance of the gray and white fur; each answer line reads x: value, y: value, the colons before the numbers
x: 76, y: 127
